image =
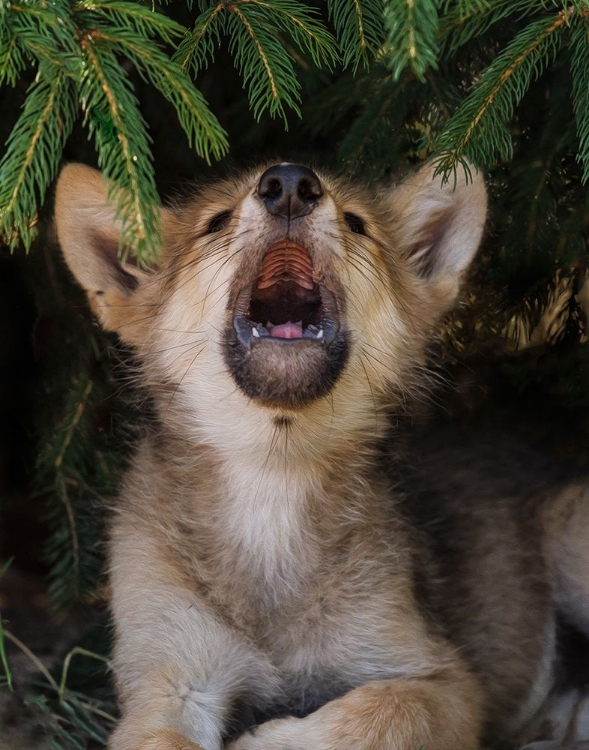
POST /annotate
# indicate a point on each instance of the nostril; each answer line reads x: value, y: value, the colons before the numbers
x: 309, y: 189
x: 270, y: 188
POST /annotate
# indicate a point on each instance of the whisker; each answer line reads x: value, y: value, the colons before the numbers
x: 372, y: 394
x: 153, y: 352
x: 173, y: 396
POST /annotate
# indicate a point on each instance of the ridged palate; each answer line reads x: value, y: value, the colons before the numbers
x: 286, y: 261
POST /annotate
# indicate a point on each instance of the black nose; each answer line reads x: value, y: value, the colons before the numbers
x: 289, y: 190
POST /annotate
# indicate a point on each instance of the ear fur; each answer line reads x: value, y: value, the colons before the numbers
x: 439, y: 227
x: 88, y: 232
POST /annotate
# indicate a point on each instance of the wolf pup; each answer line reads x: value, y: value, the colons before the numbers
x: 269, y: 590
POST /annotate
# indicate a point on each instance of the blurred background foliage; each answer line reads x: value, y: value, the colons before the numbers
x: 161, y: 94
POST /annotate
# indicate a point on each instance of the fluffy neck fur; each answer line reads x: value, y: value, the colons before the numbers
x: 278, y: 484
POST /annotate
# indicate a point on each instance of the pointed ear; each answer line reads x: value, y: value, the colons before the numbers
x: 439, y: 227
x: 88, y: 232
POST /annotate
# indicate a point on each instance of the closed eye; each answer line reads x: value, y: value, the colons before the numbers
x: 218, y: 222
x: 355, y: 223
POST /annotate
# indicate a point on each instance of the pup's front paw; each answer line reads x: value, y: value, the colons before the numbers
x: 282, y: 734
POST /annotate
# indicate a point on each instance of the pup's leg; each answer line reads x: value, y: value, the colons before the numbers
x: 179, y: 667
x: 440, y: 712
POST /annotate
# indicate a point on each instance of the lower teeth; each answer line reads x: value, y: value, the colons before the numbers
x: 310, y: 332
x: 247, y: 328
x: 260, y: 331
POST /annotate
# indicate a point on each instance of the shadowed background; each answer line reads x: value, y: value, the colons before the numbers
x: 512, y: 358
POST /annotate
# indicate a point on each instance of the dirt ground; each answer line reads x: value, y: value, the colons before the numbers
x: 27, y: 615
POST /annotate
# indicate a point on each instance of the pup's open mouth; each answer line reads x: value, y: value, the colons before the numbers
x: 287, y: 345
x: 285, y: 303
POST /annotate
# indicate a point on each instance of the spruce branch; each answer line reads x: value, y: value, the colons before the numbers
x: 465, y: 21
x: 110, y: 28
x: 200, y: 125
x: 478, y: 130
x: 73, y: 555
x: 129, y: 16
x: 32, y: 156
x: 67, y: 464
x: 253, y: 27
x: 65, y: 36
x: 467, y: 7
x: 266, y: 67
x: 301, y: 24
x: 112, y: 115
x: 359, y: 29
x: 197, y: 49
x: 57, y: 459
x: 580, y: 76
x: 412, y: 41
x: 47, y: 32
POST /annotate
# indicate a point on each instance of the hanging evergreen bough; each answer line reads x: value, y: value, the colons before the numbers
x: 466, y: 20
x: 264, y: 58
x: 81, y: 51
x: 479, y: 130
x: 77, y: 48
x: 412, y: 36
x: 112, y: 115
x: 33, y: 154
x: 359, y: 28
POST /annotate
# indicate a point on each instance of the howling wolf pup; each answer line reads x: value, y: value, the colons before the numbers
x: 272, y: 587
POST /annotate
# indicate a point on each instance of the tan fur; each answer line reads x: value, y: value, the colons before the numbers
x: 166, y: 740
x: 262, y: 567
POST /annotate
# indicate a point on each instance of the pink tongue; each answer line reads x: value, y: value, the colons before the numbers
x: 286, y: 331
